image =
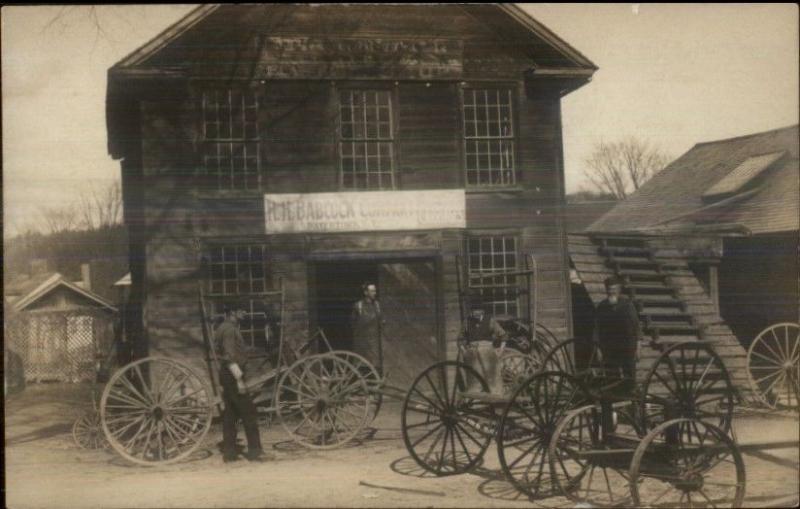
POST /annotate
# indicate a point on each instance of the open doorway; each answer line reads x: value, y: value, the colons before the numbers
x: 407, y: 293
x: 338, y: 286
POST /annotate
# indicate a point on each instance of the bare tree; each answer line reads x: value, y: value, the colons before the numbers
x: 59, y: 219
x: 100, y: 206
x: 621, y: 167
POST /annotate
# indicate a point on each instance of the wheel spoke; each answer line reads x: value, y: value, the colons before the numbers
x: 463, y: 445
x: 429, y: 433
x: 435, y: 392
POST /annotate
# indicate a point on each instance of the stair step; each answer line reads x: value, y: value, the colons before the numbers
x: 625, y: 251
x: 671, y: 315
x: 643, y: 288
x: 623, y: 242
x: 659, y: 301
x: 653, y: 277
x: 639, y: 272
x: 668, y: 339
x: 636, y: 261
x: 662, y: 311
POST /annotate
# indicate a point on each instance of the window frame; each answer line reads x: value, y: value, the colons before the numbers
x: 212, y: 178
x: 393, y: 123
x: 509, y: 281
x: 513, y: 104
x: 218, y: 299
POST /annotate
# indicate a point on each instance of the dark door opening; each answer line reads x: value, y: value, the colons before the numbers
x: 407, y: 292
x: 338, y: 288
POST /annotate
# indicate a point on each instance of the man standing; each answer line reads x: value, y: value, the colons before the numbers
x: 366, y: 323
x: 618, y: 332
x: 238, y: 405
x: 480, y: 338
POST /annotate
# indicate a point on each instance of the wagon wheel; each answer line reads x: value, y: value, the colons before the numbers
x: 155, y: 411
x: 599, y: 481
x: 87, y: 431
x: 371, y: 377
x: 322, y: 401
x: 445, y: 431
x: 545, y: 337
x: 515, y: 368
x: 582, y: 359
x: 687, y: 463
x: 687, y: 380
x: 773, y: 365
x: 527, y: 425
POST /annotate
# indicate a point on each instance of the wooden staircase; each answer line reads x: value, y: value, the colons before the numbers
x: 673, y: 306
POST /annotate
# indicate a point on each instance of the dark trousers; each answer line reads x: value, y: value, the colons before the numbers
x: 237, y: 406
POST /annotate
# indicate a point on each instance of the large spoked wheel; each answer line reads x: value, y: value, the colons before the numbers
x: 322, y: 402
x: 582, y: 359
x: 444, y: 430
x: 155, y: 411
x: 87, y: 431
x: 773, y: 366
x: 687, y: 380
x: 527, y: 425
x: 687, y: 463
x: 371, y: 377
x: 516, y: 368
x: 600, y: 481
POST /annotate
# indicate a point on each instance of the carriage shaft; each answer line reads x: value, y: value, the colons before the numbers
x: 690, y: 449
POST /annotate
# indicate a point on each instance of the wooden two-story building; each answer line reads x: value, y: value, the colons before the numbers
x: 335, y: 144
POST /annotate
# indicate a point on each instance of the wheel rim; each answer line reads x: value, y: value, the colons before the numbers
x: 601, y: 482
x: 687, y: 380
x: 773, y: 366
x: 699, y: 467
x: 445, y: 432
x: 155, y: 411
x: 87, y: 431
x: 527, y: 426
x: 371, y: 377
x: 581, y: 359
x: 322, y: 401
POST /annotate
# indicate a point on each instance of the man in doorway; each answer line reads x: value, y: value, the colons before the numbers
x: 238, y: 405
x: 618, y: 333
x: 366, y: 323
x: 480, y: 339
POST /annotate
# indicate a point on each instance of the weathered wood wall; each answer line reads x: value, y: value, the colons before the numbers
x: 298, y: 122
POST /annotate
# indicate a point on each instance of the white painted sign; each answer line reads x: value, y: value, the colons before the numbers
x: 364, y: 211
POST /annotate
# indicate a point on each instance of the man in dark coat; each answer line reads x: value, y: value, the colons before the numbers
x: 366, y: 322
x: 618, y: 332
x: 238, y: 405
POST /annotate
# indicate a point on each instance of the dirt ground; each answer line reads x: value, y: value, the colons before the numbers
x: 45, y: 469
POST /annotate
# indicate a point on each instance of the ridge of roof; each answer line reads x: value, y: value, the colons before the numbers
x: 166, y: 36
x: 202, y: 11
x: 747, y: 136
x: 52, y: 282
x: 536, y: 26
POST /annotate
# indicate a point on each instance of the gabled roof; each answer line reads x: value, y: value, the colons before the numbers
x: 758, y: 172
x: 56, y: 280
x: 512, y: 11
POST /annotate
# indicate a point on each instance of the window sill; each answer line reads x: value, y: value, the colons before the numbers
x: 498, y: 189
x: 229, y: 195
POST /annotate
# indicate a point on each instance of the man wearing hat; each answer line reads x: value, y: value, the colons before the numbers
x: 618, y: 332
x: 479, y: 340
x: 238, y: 405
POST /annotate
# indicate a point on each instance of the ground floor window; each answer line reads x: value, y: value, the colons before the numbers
x: 237, y: 275
x: 493, y: 254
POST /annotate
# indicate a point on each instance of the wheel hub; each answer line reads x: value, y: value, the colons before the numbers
x: 158, y: 413
x: 691, y: 482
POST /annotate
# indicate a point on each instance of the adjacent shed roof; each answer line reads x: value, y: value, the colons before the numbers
x: 752, y: 181
x: 56, y: 280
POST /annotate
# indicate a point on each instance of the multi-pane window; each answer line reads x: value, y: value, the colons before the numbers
x: 493, y: 254
x: 236, y: 274
x: 231, y: 140
x: 366, y: 139
x: 488, y: 137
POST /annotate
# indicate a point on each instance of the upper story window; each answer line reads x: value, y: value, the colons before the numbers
x: 366, y: 139
x: 231, y: 155
x: 494, y: 254
x: 488, y: 137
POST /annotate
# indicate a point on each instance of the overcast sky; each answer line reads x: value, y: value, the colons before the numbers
x: 671, y: 74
